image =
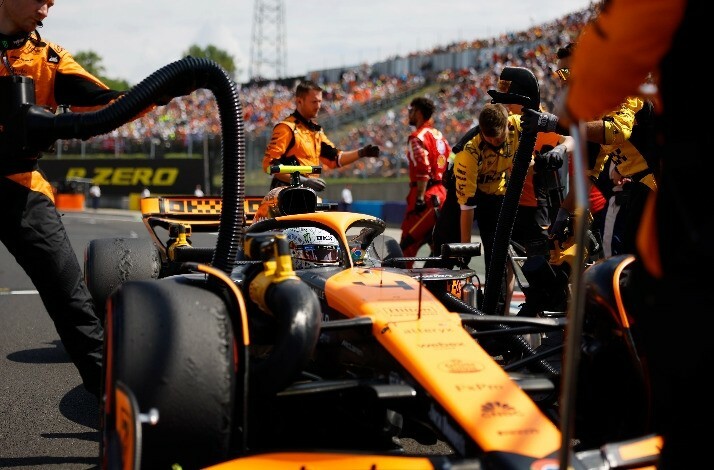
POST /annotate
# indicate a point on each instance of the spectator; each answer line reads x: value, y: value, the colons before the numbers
x: 95, y: 193
x: 427, y: 154
x: 198, y: 191
x: 296, y: 140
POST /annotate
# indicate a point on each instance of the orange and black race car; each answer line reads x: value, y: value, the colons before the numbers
x: 301, y: 341
x: 317, y: 349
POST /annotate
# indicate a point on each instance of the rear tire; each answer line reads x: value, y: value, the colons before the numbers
x: 108, y: 262
x: 171, y: 343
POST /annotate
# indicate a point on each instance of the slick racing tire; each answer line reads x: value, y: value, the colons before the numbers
x: 384, y: 247
x: 170, y: 341
x: 108, y: 262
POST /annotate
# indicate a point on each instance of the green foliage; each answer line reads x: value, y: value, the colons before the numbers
x: 92, y: 63
x: 221, y: 57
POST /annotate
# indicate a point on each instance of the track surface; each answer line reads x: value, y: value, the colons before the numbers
x: 48, y: 420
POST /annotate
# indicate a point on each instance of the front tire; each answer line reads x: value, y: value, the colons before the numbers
x: 171, y: 343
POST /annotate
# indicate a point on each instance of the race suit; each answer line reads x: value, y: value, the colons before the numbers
x: 298, y: 141
x: 32, y: 230
x: 427, y: 153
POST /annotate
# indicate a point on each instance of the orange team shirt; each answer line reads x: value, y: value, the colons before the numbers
x: 528, y: 196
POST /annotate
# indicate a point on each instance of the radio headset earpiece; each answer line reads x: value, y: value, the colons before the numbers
x: 39, y: 23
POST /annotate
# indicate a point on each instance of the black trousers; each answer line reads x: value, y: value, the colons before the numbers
x: 34, y: 234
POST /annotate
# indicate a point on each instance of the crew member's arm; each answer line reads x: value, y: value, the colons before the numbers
x: 279, y: 141
x: 466, y: 175
x: 420, y: 161
x: 623, y: 30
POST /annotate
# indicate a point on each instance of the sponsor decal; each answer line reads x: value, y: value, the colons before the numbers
x: 420, y: 330
x: 192, y: 206
x: 457, y: 366
x: 407, y: 311
x: 478, y: 387
x: 127, y: 176
x: 440, y: 346
x: 497, y: 409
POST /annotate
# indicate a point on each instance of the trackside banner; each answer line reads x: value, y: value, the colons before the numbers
x: 122, y: 176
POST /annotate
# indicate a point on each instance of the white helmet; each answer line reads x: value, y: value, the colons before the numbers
x: 312, y: 247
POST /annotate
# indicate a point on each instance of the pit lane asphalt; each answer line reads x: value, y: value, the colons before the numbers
x: 47, y: 419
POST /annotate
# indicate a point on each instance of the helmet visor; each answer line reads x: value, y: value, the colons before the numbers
x: 318, y: 253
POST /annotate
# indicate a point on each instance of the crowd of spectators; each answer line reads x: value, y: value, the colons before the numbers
x: 459, y: 96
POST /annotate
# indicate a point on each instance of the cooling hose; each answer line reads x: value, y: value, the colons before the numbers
x: 39, y: 128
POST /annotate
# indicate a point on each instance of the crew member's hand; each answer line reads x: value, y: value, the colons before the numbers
x: 368, y: 151
x: 560, y: 228
x: 316, y: 184
x: 435, y: 201
x: 533, y: 121
x: 420, y: 206
x: 550, y: 160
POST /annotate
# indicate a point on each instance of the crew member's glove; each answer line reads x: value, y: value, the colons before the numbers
x: 368, y: 151
x: 533, y: 121
x: 317, y: 184
x: 435, y: 201
x: 550, y: 160
x: 419, y: 206
x: 560, y: 228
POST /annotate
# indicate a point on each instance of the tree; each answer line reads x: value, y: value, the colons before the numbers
x: 92, y: 63
x: 221, y: 57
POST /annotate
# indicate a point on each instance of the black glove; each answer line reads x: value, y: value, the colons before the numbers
x: 550, y: 160
x: 561, y: 228
x: 533, y: 121
x: 316, y: 184
x: 420, y: 206
x: 368, y: 151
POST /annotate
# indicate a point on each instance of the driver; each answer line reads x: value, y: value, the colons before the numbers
x: 312, y: 247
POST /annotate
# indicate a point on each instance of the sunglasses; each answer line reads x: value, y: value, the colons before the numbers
x: 563, y: 74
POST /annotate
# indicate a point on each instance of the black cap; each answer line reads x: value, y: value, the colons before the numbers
x: 517, y: 85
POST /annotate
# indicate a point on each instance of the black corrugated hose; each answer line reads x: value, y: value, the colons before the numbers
x: 179, y: 78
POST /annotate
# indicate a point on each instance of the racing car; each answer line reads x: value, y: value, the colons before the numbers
x: 301, y: 341
x: 318, y: 338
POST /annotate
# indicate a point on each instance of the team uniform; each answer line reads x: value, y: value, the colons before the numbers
x: 481, y: 175
x: 298, y: 141
x: 32, y: 229
x: 674, y: 240
x: 625, y: 206
x: 530, y: 227
x: 427, y: 153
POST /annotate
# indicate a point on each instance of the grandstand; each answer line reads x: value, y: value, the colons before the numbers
x: 363, y: 103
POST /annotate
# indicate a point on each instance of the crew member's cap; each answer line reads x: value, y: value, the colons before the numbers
x: 517, y: 85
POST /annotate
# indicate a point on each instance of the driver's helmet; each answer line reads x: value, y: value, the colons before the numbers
x: 312, y: 247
